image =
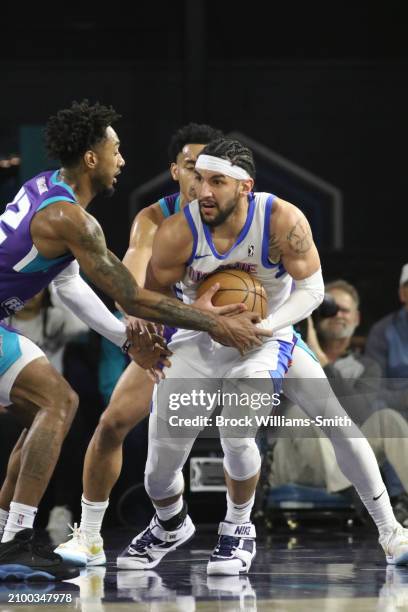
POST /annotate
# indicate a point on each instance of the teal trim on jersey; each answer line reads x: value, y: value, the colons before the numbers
x: 55, y: 181
x: 54, y: 199
x: 164, y: 207
x: 10, y: 349
x: 42, y: 264
x: 302, y: 344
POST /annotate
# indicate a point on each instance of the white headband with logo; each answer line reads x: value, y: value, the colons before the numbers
x: 216, y: 164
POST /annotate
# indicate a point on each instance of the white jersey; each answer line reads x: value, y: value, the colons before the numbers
x: 249, y: 253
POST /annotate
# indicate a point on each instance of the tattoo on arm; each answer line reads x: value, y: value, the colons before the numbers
x: 178, y: 314
x: 105, y: 269
x: 274, y: 250
x: 300, y: 238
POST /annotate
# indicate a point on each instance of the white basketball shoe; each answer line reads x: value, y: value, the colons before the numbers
x: 235, y: 550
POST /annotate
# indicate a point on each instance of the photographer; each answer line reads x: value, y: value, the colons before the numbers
x: 356, y: 380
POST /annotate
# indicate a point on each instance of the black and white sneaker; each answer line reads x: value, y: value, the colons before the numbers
x: 149, y: 547
x: 21, y: 559
x: 235, y: 550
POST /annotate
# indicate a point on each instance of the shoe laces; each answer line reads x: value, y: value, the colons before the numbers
x: 226, y: 545
x: 397, y: 532
x: 145, y: 541
x: 76, y: 532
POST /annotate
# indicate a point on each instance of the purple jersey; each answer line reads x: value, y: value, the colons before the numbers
x: 23, y: 271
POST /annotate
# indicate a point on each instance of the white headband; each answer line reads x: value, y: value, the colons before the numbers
x: 216, y: 164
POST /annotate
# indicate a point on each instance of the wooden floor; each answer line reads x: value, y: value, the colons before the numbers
x: 319, y: 570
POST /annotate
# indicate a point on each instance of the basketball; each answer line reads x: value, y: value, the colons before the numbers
x: 237, y: 286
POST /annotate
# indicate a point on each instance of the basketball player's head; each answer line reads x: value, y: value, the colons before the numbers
x: 225, y: 174
x: 185, y: 146
x: 83, y: 140
x: 344, y: 323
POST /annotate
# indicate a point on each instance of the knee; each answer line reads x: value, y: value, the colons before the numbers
x: 239, y: 446
x: 112, y: 429
x: 162, y: 486
x: 68, y: 406
x: 242, y: 458
x: 62, y: 403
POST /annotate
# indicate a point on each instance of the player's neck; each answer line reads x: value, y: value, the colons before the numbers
x: 183, y: 201
x: 80, y: 185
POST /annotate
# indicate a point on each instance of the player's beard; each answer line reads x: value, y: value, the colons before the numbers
x: 221, y: 216
x: 107, y: 192
x: 100, y: 188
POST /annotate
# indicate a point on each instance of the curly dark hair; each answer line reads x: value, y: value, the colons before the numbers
x: 192, y: 133
x: 237, y: 153
x: 72, y: 131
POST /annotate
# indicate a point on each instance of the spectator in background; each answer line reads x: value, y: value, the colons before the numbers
x: 387, y: 344
x: 356, y: 380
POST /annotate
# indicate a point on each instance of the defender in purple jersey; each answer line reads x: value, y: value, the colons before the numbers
x: 42, y: 231
x: 131, y: 399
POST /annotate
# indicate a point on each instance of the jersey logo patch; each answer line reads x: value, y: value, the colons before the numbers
x: 41, y: 185
x: 201, y: 256
x: 251, y: 250
x: 12, y: 304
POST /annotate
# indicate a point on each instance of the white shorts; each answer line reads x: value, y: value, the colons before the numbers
x: 197, y: 355
x: 16, y: 351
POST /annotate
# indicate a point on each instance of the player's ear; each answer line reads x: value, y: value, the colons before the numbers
x: 174, y: 171
x: 247, y: 186
x: 90, y: 159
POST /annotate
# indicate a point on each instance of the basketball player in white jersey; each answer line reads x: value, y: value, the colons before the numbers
x: 131, y: 398
x: 229, y: 225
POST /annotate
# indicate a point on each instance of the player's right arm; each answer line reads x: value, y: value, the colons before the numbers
x: 141, y: 239
x: 73, y: 229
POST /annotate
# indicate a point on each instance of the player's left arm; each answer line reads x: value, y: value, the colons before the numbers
x: 291, y: 242
x: 146, y: 349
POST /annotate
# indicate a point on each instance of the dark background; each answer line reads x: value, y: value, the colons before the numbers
x: 325, y: 85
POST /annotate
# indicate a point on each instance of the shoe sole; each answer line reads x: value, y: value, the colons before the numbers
x: 78, y: 559
x: 220, y: 569
x: 13, y: 572
x: 81, y: 559
x: 130, y: 563
x: 401, y: 560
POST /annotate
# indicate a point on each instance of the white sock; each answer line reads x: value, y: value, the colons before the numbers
x: 92, y: 516
x: 380, y: 510
x: 166, y: 513
x: 20, y: 517
x: 3, y: 520
x: 239, y: 513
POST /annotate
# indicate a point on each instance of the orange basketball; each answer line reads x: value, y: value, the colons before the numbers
x: 237, y: 286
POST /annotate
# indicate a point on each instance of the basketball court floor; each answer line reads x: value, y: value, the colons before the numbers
x: 319, y: 570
